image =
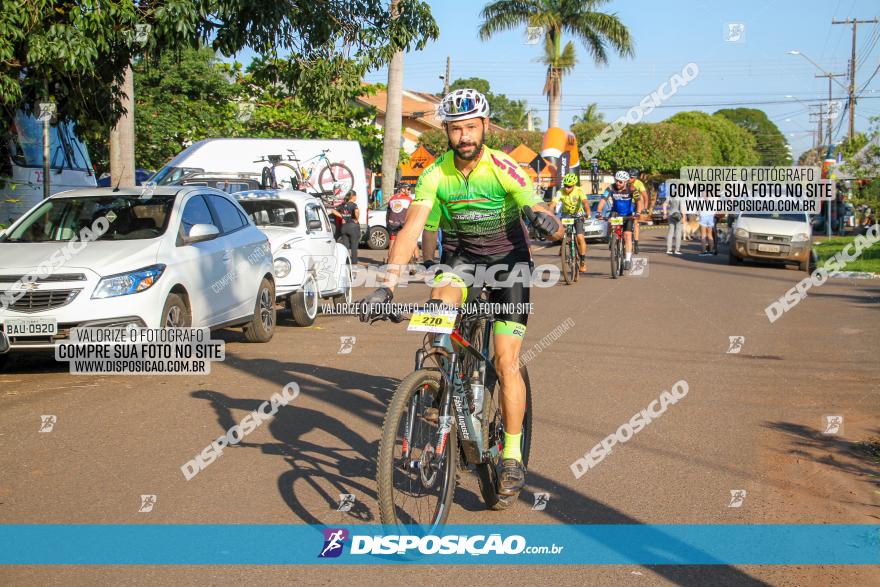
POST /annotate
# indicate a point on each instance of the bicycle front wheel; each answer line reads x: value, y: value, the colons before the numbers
x: 566, y: 261
x: 336, y: 179
x: 415, y: 487
x: 615, y: 255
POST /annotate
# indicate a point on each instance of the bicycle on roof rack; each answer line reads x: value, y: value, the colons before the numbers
x: 316, y: 175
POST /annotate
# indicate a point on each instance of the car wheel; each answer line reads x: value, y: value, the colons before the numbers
x: 378, y: 239
x: 733, y: 259
x: 804, y: 266
x: 262, y: 325
x: 4, y: 362
x: 176, y: 313
x: 346, y: 279
x: 304, y: 303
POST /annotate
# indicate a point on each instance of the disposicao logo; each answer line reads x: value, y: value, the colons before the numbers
x: 334, y: 538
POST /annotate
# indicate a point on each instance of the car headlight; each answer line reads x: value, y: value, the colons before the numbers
x: 281, y: 268
x: 801, y: 237
x: 128, y: 283
x: 742, y: 233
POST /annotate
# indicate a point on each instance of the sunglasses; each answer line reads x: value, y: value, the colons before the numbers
x: 464, y: 105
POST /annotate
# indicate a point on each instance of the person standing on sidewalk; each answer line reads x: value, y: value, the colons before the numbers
x: 672, y: 213
x: 350, y: 233
x: 707, y: 228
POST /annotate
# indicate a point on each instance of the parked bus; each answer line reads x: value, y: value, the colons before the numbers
x: 21, y: 165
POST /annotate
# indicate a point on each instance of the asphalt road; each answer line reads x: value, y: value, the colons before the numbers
x: 751, y: 420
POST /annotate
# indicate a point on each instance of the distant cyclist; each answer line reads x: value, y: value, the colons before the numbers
x: 572, y: 202
x: 477, y: 195
x: 619, y: 198
x: 640, y: 194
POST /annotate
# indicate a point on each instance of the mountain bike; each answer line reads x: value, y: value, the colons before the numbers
x: 616, y: 244
x: 444, y: 415
x: 569, y: 256
x: 334, y: 180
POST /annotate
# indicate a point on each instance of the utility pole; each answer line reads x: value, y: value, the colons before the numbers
x: 530, y: 125
x: 830, y: 113
x: 447, y: 76
x: 852, y: 70
x: 817, y: 134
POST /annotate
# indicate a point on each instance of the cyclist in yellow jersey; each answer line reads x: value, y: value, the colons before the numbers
x: 572, y: 202
x: 640, y: 198
x: 475, y: 195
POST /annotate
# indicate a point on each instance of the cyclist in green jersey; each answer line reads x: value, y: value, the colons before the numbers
x: 572, y: 202
x: 475, y: 195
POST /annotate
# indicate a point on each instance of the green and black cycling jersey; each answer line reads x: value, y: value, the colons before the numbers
x: 480, y: 215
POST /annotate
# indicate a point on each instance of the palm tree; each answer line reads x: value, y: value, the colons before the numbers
x: 596, y: 30
x: 590, y: 114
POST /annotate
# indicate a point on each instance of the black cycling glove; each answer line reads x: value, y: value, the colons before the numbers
x: 545, y: 224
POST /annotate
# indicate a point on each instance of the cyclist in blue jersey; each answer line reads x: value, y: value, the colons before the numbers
x: 623, y: 201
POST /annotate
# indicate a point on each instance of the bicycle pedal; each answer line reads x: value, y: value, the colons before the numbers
x: 431, y: 415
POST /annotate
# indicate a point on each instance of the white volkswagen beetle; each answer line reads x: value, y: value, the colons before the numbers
x: 308, y: 262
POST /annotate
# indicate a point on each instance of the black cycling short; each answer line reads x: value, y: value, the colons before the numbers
x: 513, y: 268
x: 628, y: 223
x: 578, y: 224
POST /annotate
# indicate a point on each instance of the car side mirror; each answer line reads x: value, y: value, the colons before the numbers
x: 201, y: 233
x: 313, y: 225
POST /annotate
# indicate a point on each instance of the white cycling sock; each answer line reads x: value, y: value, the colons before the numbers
x: 629, y: 256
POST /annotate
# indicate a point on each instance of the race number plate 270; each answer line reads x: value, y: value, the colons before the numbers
x: 617, y: 220
x: 442, y: 321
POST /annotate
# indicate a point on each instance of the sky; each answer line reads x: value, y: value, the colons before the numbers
x: 756, y: 72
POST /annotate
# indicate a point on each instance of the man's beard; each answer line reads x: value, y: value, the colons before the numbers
x: 477, y: 150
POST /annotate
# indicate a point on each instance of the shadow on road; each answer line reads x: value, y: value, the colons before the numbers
x: 828, y: 449
x: 314, y: 467
x: 580, y: 509
x: 332, y: 467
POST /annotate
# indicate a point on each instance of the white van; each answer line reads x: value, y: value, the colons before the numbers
x: 235, y: 165
x: 787, y: 238
x: 21, y: 165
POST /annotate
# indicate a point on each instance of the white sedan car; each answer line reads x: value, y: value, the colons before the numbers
x: 309, y: 264
x: 176, y: 257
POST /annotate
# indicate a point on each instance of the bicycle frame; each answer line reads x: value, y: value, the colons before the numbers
x: 455, y: 395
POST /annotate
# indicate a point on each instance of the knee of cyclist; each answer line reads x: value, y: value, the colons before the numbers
x: 507, y: 365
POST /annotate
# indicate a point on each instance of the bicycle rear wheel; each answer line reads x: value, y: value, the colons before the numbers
x: 336, y: 179
x: 493, y: 435
x: 413, y: 488
x: 566, y: 261
x: 615, y: 255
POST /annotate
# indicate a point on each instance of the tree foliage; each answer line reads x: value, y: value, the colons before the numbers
x: 769, y: 141
x: 192, y: 95
x: 660, y: 148
x: 597, y: 31
x: 79, y: 49
x: 590, y: 114
x: 731, y: 144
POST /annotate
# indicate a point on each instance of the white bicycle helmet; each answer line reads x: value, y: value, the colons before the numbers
x: 462, y: 105
x: 621, y: 176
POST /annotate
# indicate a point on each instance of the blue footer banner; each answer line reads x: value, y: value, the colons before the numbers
x: 225, y: 544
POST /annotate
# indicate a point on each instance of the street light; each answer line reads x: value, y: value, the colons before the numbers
x: 789, y: 96
x: 819, y: 67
